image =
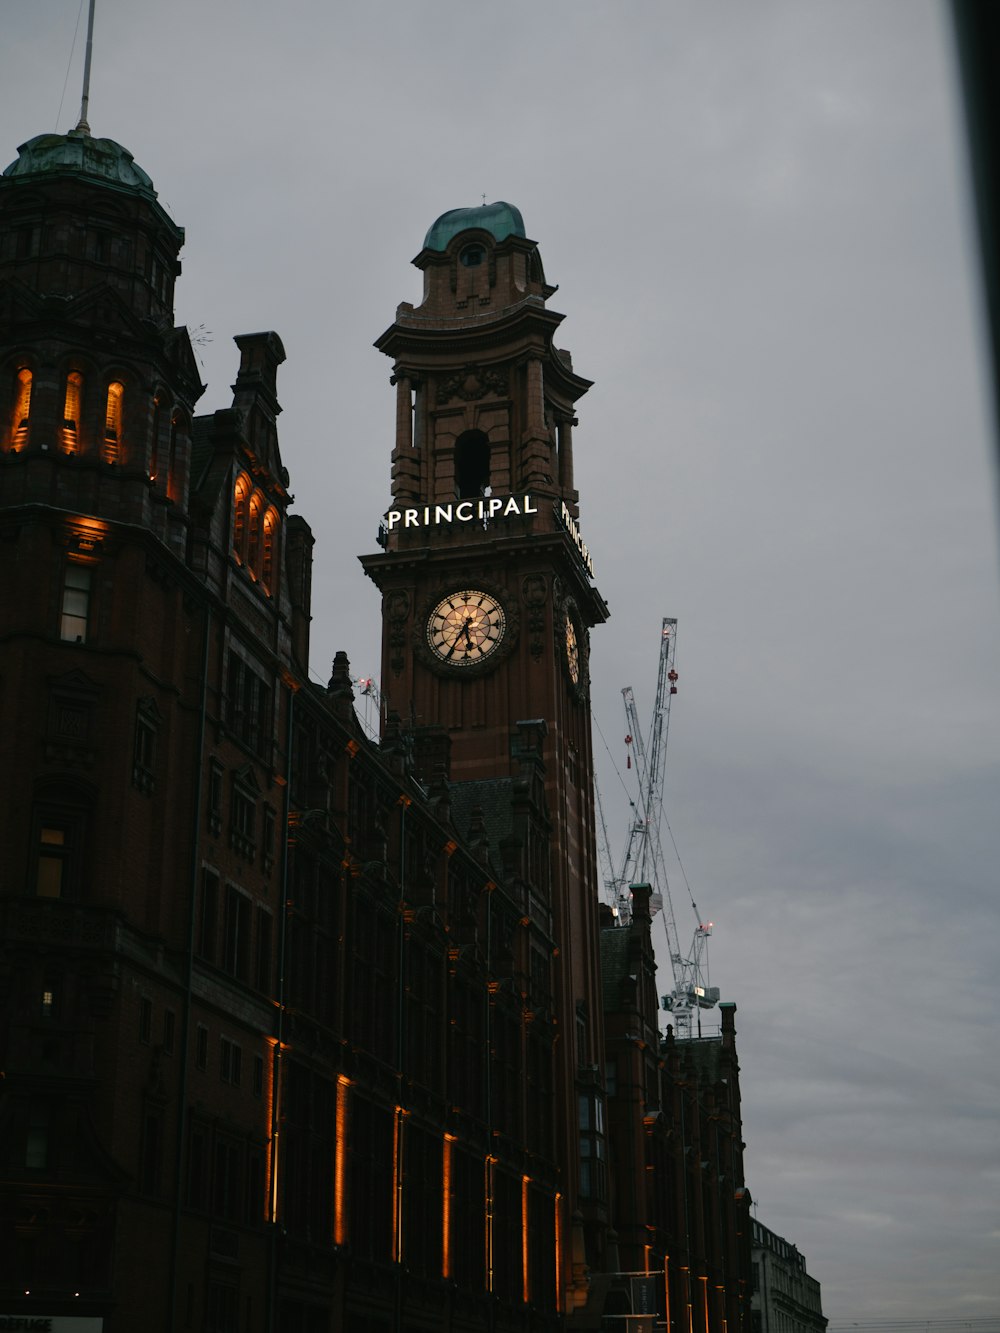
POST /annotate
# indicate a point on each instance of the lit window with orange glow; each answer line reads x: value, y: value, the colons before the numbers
x: 241, y: 503
x: 71, y: 411
x: 113, y: 419
x: 270, y: 540
x: 340, y: 1163
x: 22, y: 408
x: 254, y: 535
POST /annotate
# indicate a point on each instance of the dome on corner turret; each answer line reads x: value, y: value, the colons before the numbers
x: 79, y: 154
x: 500, y: 220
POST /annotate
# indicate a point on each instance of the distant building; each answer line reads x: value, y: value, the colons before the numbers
x: 785, y: 1298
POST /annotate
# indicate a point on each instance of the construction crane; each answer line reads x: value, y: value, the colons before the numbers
x: 369, y: 692
x: 643, y: 861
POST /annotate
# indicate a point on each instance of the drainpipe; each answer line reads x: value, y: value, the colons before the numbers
x: 274, y: 1129
x: 182, y: 1091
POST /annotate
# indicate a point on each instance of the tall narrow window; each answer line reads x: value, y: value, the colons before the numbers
x: 241, y: 504
x: 173, y: 481
x: 113, y: 418
x: 22, y: 409
x: 71, y: 411
x: 75, y: 604
x: 53, y: 853
x: 147, y: 726
x: 270, y: 538
x: 253, y: 536
x: 58, y: 852
x: 154, y: 452
x: 472, y: 464
x: 236, y: 942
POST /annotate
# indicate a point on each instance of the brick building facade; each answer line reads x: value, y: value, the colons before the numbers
x: 300, y: 1031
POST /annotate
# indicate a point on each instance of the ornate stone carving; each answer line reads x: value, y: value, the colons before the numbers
x: 472, y: 383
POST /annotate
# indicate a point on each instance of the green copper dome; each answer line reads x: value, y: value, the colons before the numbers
x: 78, y: 154
x: 500, y: 220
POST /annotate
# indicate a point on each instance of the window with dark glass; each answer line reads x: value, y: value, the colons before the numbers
x: 59, y: 837
x: 593, y: 1164
x: 75, y: 603
x: 151, y: 1152
x: 208, y: 915
x: 147, y: 725
x: 36, y: 1147
x: 230, y: 1061
x: 262, y: 970
x: 236, y: 951
x: 270, y: 822
x: 472, y: 464
x: 215, y: 776
x: 248, y: 704
x: 244, y: 822
x: 228, y: 1182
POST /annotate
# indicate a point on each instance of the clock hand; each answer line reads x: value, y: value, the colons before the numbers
x: 454, y: 644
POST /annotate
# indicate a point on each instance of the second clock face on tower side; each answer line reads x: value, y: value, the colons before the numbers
x: 466, y: 627
x: 572, y: 648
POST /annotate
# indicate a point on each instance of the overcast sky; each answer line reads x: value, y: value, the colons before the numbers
x: 755, y: 213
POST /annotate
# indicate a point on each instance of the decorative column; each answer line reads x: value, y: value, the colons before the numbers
x: 405, y: 459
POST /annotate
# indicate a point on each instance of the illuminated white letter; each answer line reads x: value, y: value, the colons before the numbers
x: 442, y: 513
x: 467, y: 506
x: 393, y: 516
x: 411, y: 519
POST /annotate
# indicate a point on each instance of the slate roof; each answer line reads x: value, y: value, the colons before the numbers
x: 495, y: 798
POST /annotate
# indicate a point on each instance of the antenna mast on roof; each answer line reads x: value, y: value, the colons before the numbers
x: 82, y: 126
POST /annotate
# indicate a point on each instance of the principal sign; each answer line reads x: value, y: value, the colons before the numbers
x: 573, y: 528
x: 465, y: 511
x: 482, y: 511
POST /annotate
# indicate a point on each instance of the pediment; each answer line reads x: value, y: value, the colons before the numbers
x: 76, y: 684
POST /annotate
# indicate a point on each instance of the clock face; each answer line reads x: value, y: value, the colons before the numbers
x: 466, y: 627
x: 572, y: 649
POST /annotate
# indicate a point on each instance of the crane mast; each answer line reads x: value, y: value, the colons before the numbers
x: 643, y: 861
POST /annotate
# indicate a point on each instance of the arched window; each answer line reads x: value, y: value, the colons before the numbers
x: 113, y: 418
x: 71, y: 411
x: 270, y: 542
x: 241, y: 505
x: 22, y: 408
x: 472, y: 464
x: 254, y: 534
x: 154, y: 453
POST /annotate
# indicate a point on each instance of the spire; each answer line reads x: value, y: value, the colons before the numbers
x: 82, y: 127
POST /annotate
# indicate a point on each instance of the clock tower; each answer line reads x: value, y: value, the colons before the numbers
x: 488, y: 604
